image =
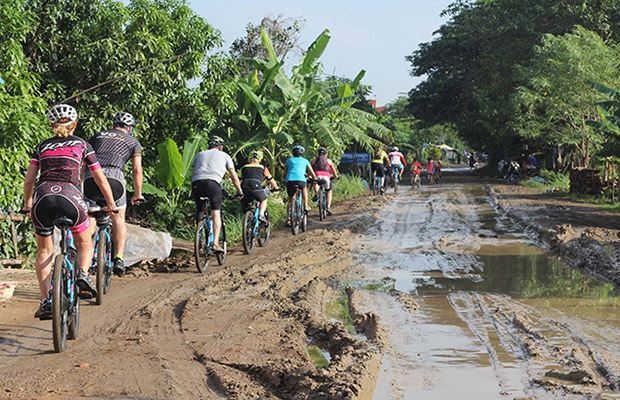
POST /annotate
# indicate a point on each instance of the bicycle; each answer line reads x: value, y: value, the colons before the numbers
x: 430, y: 178
x: 415, y: 180
x: 376, y: 184
x: 103, y: 251
x: 64, y: 292
x: 321, y: 200
x: 395, y: 178
x: 253, y: 229
x: 204, y: 240
x: 299, y: 215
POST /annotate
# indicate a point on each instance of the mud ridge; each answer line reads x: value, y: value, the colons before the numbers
x: 594, y: 250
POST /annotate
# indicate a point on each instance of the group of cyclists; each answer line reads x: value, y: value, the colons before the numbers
x: 66, y: 188
x: 385, y: 165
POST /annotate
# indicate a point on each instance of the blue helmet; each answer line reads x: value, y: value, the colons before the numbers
x: 298, y: 150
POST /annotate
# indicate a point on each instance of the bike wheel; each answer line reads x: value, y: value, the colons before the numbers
x: 108, y: 262
x: 248, y: 232
x: 264, y: 231
x: 395, y: 183
x: 59, y: 306
x: 321, y: 204
x: 512, y: 178
x: 221, y: 257
x: 101, y: 267
x: 295, y: 216
x: 200, y: 246
x: 375, y: 189
x: 74, y: 315
x: 303, y: 223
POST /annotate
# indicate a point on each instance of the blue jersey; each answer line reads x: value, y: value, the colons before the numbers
x: 297, y: 167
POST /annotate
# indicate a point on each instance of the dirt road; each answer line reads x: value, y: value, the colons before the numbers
x: 430, y: 294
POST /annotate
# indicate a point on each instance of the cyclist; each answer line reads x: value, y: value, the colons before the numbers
x: 416, y: 167
x: 113, y: 149
x: 397, y: 161
x: 209, y: 168
x: 324, y: 169
x: 252, y: 176
x: 60, y: 160
x: 379, y: 159
x: 430, y: 170
x: 297, y: 169
x: 437, y: 170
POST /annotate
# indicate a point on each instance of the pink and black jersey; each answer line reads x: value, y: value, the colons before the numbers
x: 115, y: 147
x: 61, y: 159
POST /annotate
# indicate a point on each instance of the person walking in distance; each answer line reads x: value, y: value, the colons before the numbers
x: 113, y: 149
x: 209, y: 168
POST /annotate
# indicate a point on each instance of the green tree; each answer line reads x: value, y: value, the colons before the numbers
x: 556, y: 101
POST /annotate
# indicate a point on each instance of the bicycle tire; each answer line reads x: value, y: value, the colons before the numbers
x: 200, y: 246
x: 294, y: 216
x: 59, y: 317
x: 375, y: 189
x: 321, y: 205
x: 395, y: 183
x: 221, y: 257
x: 74, y: 320
x: 248, y: 232
x: 303, y: 224
x: 109, y: 246
x: 264, y: 231
x: 101, y: 267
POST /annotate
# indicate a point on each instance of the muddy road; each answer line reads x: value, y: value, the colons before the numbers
x: 420, y: 295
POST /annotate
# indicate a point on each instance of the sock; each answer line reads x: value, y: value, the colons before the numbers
x: 119, y: 257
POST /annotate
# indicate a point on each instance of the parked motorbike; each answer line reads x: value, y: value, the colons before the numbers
x: 512, y: 175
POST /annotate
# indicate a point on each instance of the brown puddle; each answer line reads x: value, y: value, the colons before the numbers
x: 498, y: 317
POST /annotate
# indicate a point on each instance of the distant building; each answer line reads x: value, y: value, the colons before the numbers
x: 381, y: 110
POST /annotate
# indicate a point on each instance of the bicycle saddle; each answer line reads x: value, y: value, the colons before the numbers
x: 63, y: 222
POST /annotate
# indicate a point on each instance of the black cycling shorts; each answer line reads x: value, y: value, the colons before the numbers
x: 94, y: 196
x: 378, y: 168
x: 210, y: 189
x: 291, y: 187
x: 54, y: 200
x: 250, y: 196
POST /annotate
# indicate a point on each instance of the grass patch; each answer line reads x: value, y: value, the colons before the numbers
x: 383, y: 286
x: 552, y: 180
x: 348, y: 187
x: 339, y: 310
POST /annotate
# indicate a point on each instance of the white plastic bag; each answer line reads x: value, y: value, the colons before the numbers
x: 144, y: 244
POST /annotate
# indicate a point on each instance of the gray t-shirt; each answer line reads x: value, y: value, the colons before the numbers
x: 211, y: 164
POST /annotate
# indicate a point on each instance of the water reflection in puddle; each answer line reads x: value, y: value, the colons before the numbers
x: 443, y: 244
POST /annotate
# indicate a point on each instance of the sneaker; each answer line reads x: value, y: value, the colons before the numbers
x: 45, y: 310
x: 87, y: 287
x: 307, y: 207
x: 288, y: 222
x: 329, y: 211
x: 262, y: 219
x: 119, y: 266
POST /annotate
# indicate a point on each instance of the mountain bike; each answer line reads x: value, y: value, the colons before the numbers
x: 394, y: 173
x: 430, y: 178
x: 204, y: 238
x: 415, y: 180
x: 376, y: 183
x: 64, y: 292
x: 299, y: 215
x: 103, y: 253
x: 253, y: 229
x: 321, y: 200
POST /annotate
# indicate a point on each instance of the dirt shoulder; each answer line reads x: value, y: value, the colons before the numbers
x: 240, y: 331
x: 587, y: 237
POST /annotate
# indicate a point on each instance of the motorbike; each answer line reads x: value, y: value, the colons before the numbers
x: 513, y: 172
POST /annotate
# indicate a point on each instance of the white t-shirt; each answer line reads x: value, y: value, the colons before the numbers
x: 211, y: 164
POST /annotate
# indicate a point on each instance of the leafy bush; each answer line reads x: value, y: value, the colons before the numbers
x: 348, y: 187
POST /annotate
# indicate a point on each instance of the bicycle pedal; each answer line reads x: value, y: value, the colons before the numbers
x: 85, y: 295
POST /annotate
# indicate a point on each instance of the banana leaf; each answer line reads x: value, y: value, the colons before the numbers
x: 169, y: 168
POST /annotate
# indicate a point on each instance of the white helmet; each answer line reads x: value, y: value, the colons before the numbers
x: 124, y: 118
x: 62, y: 111
x: 395, y: 148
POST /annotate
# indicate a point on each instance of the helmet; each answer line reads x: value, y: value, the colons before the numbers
x: 298, y: 150
x: 256, y: 155
x: 216, y: 141
x: 395, y: 148
x: 62, y: 111
x: 124, y: 118
x: 322, y: 151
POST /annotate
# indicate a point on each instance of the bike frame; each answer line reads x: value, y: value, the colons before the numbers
x: 108, y: 237
x: 66, y: 243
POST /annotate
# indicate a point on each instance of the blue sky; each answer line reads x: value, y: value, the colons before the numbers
x: 371, y: 35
